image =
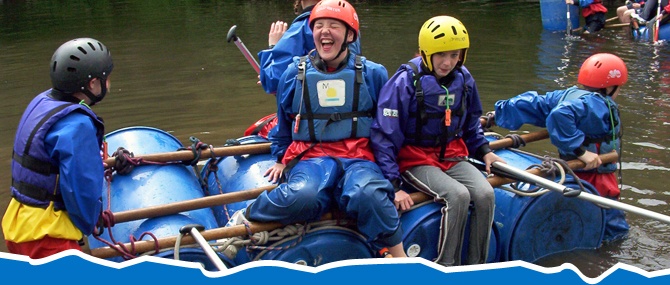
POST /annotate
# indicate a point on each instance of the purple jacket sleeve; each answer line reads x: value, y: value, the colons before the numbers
x: 387, y: 132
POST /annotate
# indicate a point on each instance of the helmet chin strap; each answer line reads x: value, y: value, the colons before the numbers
x: 93, y: 97
x: 616, y: 87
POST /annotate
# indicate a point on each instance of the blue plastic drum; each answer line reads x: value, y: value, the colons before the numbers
x: 151, y: 185
x: 554, y: 15
x: 644, y: 33
x: 317, y: 247
x: 236, y: 173
x: 534, y: 227
x: 421, y: 231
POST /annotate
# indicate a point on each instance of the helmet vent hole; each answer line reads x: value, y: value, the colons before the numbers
x: 598, y: 64
x: 82, y: 50
x: 441, y: 35
x: 453, y: 29
x: 100, y: 45
x: 434, y: 29
x: 72, y: 57
x: 71, y: 69
x: 91, y: 45
x: 54, y: 66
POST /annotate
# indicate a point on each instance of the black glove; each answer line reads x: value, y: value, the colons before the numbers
x: 123, y: 164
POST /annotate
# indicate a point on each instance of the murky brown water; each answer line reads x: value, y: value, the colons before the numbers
x: 175, y: 71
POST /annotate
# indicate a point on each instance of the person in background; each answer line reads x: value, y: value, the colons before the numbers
x: 624, y: 12
x: 593, y: 12
x: 57, y: 168
x: 285, y: 43
x: 582, y: 123
x: 426, y: 126
x: 325, y: 105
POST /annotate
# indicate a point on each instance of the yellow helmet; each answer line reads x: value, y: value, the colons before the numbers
x: 440, y: 34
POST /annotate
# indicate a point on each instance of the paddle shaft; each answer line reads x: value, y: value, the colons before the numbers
x: 497, y: 181
x: 185, y: 155
x: 194, y: 231
x: 569, y: 29
x: 596, y: 199
x: 658, y: 21
x: 232, y: 35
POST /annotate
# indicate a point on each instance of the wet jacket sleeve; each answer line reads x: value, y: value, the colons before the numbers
x: 473, y: 134
x: 72, y: 141
x: 297, y: 41
x: 570, y: 119
x: 525, y: 108
x: 387, y: 132
x: 281, y: 138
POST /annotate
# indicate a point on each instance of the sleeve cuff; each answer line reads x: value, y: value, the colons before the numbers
x: 579, y: 151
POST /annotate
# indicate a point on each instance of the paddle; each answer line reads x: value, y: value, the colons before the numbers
x: 596, y: 199
x: 569, y: 29
x: 240, y: 45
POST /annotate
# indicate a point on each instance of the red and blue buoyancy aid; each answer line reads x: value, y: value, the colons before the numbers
x: 598, y: 144
x: 34, y: 173
x: 591, y: 7
x: 438, y: 116
x: 334, y: 106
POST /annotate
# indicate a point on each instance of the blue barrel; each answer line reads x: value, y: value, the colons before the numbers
x: 554, y: 15
x: 317, y: 247
x: 644, y: 33
x: 152, y: 185
x: 421, y: 231
x: 534, y: 227
x: 236, y: 173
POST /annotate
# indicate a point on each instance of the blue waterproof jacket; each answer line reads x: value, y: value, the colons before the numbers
x: 576, y: 120
x: 397, y: 113
x: 374, y: 75
x: 57, y: 159
x: 298, y: 40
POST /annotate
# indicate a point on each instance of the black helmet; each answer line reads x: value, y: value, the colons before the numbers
x: 78, y: 61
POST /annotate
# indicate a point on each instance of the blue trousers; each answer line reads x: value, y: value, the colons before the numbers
x: 314, y: 186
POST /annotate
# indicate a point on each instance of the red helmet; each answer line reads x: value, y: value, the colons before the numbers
x: 603, y: 70
x: 335, y: 9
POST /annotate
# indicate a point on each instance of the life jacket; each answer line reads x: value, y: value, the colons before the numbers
x: 438, y: 116
x: 599, y: 145
x: 34, y: 173
x: 334, y: 106
x: 595, y: 7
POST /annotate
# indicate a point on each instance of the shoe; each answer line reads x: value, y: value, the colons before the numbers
x: 232, y: 249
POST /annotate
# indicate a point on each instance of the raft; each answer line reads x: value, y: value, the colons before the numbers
x: 528, y: 224
x: 644, y: 33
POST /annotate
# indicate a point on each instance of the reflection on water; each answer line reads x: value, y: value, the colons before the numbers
x: 175, y: 71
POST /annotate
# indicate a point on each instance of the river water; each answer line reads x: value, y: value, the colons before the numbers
x: 175, y: 71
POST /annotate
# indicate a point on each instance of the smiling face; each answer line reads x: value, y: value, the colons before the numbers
x: 329, y: 37
x: 444, y: 62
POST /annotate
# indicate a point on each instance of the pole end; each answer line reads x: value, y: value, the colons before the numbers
x: 231, y: 34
